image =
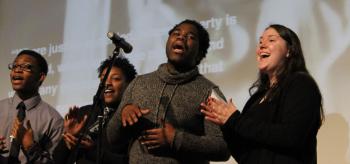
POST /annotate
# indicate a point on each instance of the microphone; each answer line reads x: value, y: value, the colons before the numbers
x: 117, y: 40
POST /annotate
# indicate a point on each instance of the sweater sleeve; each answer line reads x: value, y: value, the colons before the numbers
x: 210, y: 146
x: 299, y: 116
x: 115, y: 133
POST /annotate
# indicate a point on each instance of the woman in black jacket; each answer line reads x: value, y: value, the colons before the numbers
x: 280, y: 121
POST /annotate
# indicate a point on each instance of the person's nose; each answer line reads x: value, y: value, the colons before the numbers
x: 262, y: 45
x: 18, y: 69
x: 181, y: 36
x: 108, y: 82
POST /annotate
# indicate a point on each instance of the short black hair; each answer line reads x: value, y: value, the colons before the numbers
x: 203, y: 37
x: 42, y: 63
x: 123, y: 64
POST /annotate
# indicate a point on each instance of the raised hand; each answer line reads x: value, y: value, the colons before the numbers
x: 131, y: 113
x: 28, y: 139
x: 3, y: 146
x: 72, y: 124
x: 71, y: 141
x: 15, y: 132
x: 22, y: 134
x: 218, y: 111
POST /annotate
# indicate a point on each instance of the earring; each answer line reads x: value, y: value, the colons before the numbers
x: 287, y: 55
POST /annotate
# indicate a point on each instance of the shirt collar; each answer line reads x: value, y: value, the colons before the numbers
x: 29, y: 103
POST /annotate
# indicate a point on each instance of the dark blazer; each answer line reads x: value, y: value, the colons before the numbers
x: 280, y: 130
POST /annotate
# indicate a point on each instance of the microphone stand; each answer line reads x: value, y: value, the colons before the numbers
x: 98, y: 107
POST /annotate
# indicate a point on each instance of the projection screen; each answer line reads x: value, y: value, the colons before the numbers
x: 71, y: 34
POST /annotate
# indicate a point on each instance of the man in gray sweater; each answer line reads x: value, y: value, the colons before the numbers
x: 159, y: 117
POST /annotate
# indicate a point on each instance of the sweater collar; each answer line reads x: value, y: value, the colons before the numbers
x: 175, y: 77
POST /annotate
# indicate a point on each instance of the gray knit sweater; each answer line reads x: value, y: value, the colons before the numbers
x: 176, y: 99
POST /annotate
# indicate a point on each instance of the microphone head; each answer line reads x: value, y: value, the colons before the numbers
x: 120, y: 42
x: 110, y: 35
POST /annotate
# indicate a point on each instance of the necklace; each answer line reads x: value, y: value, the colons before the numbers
x: 268, y: 93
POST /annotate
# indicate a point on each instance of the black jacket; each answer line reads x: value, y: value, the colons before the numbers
x: 280, y: 130
x: 62, y: 154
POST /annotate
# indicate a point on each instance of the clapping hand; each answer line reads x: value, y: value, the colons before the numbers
x: 218, y: 111
x: 158, y: 137
x: 23, y: 135
x: 3, y: 147
x: 72, y: 124
x: 72, y: 140
x: 72, y: 128
x: 131, y: 114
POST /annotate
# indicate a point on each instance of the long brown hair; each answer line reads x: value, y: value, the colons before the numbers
x: 294, y: 63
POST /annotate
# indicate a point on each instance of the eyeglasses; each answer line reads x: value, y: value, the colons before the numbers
x: 22, y: 67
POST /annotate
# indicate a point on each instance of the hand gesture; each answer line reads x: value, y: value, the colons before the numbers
x: 71, y: 141
x: 28, y: 139
x: 218, y: 111
x: 131, y: 113
x: 72, y: 124
x: 158, y: 137
x: 15, y: 132
x: 23, y: 135
x: 3, y: 147
x: 87, y: 143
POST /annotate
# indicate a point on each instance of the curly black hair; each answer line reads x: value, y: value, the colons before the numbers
x: 122, y: 63
x: 203, y: 36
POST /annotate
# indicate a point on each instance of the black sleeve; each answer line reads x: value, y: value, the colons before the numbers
x: 61, y: 153
x: 108, y: 155
x: 233, y: 141
x: 38, y: 152
x: 300, y: 112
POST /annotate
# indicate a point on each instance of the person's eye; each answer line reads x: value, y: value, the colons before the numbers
x: 191, y: 36
x: 176, y: 33
x: 116, y: 78
x: 13, y: 66
x: 27, y: 66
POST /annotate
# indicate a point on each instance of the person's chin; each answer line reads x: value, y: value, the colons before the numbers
x: 176, y: 55
x: 176, y: 60
x: 17, y: 87
x: 262, y: 68
x: 112, y: 104
x: 110, y: 101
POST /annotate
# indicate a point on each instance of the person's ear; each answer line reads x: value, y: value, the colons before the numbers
x: 199, y: 57
x: 42, y: 77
